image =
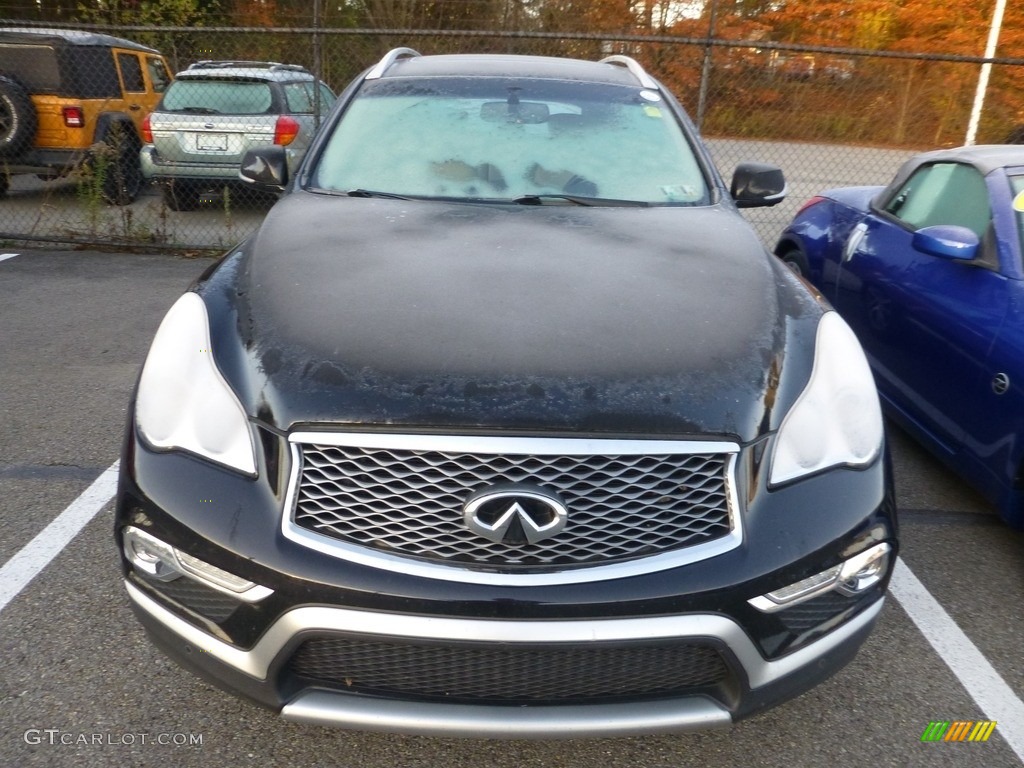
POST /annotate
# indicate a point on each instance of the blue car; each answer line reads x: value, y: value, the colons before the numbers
x: 928, y: 272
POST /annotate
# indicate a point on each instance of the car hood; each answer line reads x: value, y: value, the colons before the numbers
x: 433, y: 315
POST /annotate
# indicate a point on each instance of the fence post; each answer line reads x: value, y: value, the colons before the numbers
x: 317, y: 64
x: 705, y: 73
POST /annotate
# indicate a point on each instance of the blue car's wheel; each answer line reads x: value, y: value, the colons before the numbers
x: 796, y: 261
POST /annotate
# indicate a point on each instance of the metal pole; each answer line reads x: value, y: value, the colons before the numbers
x: 317, y: 64
x: 986, y: 69
x: 705, y: 74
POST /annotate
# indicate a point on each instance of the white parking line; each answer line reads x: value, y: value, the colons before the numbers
x: 37, y: 554
x: 5, y: 256
x: 993, y: 696
x: 990, y: 692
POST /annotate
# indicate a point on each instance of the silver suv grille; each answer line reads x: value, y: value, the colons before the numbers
x: 404, y: 494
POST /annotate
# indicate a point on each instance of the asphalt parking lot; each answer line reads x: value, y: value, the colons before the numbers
x: 81, y: 685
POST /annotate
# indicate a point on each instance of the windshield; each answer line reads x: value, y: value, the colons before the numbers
x: 501, y: 139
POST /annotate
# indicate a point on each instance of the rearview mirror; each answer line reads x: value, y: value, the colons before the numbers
x: 518, y: 112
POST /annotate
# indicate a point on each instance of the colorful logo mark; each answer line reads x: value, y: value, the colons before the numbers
x: 958, y: 730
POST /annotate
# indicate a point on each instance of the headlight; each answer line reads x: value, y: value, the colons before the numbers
x: 837, y: 419
x: 183, y: 401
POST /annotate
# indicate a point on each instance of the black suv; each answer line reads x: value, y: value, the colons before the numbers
x: 69, y: 98
x: 505, y: 424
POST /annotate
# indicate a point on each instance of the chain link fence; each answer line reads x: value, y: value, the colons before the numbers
x: 828, y: 117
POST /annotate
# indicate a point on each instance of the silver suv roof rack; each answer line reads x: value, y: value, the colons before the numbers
x: 273, y: 66
x: 390, y: 58
x: 633, y: 66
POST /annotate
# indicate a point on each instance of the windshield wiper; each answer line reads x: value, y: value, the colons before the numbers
x: 373, y: 193
x: 199, y: 111
x: 578, y: 200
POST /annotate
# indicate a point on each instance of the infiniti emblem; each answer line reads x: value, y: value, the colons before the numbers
x: 515, y: 513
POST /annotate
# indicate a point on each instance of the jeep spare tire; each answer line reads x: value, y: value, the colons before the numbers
x: 17, y: 119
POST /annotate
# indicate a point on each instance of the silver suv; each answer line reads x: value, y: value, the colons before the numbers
x: 215, y: 111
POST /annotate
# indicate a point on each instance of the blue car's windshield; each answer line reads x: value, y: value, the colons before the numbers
x: 501, y: 139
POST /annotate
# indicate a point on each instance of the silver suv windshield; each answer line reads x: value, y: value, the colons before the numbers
x: 507, y: 138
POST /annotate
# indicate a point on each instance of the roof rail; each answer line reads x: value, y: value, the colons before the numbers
x: 390, y: 58
x: 239, y: 64
x: 634, y: 67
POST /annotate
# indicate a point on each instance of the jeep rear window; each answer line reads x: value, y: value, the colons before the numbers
x: 501, y: 138
x: 35, y: 66
x: 218, y: 97
x: 89, y: 73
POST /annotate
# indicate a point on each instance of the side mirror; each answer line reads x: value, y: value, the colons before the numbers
x: 947, y: 241
x: 755, y: 185
x: 265, y: 168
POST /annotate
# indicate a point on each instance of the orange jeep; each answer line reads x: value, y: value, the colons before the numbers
x: 69, y: 98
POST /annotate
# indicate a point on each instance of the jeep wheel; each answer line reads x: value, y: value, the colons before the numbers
x: 17, y: 119
x: 122, y: 177
x: 180, y: 195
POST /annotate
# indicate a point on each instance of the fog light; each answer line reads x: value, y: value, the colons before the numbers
x: 858, y: 573
x: 150, y: 555
x: 865, y: 570
x: 161, y: 561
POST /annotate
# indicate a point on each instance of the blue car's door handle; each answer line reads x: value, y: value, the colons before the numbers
x: 854, y: 241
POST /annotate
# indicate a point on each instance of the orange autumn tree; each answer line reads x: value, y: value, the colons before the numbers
x: 921, y: 101
x: 947, y: 89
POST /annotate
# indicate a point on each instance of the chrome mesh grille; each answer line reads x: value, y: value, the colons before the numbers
x: 409, y: 503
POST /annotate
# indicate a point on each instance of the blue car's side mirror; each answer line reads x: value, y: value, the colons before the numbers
x: 947, y: 241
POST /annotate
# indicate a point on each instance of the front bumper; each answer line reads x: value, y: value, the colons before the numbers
x: 293, y: 651
x: 761, y: 682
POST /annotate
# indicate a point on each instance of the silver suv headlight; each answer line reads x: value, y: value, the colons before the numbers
x: 837, y: 419
x: 183, y: 400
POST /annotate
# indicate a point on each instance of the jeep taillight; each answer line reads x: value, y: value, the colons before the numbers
x: 285, y: 131
x: 74, y: 117
x: 147, y: 129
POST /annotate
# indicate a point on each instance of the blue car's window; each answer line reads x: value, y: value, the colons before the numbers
x: 943, y: 193
x: 1017, y: 185
x: 483, y: 138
